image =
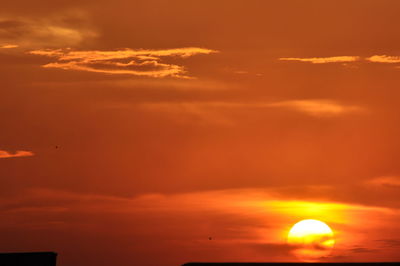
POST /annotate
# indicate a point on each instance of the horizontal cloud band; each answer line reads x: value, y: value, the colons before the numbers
x: 127, y: 61
x: 6, y: 154
x: 344, y: 59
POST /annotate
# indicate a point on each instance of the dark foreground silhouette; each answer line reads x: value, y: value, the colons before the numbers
x: 28, y: 259
x: 50, y: 259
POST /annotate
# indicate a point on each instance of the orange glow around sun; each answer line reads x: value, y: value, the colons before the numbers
x: 312, y: 239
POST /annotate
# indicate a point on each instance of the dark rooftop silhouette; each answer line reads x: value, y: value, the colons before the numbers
x: 28, y: 259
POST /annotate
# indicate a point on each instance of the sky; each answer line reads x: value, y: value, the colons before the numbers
x: 160, y: 132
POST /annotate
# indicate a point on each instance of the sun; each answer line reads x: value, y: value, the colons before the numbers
x: 311, y: 239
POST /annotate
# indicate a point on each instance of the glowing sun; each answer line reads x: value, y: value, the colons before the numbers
x: 311, y: 239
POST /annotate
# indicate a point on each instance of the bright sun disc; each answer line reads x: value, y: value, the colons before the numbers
x: 312, y: 239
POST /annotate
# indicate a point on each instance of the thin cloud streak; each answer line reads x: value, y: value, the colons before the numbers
x: 384, y: 59
x: 385, y: 181
x: 226, y: 113
x: 318, y: 107
x: 137, y: 62
x: 8, y: 46
x: 53, y: 31
x: 6, y: 154
x: 388, y: 59
x: 122, y: 54
x: 323, y: 60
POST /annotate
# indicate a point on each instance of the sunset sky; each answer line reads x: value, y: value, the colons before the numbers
x: 157, y: 132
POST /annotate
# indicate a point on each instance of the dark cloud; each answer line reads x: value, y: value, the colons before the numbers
x: 361, y: 250
x: 389, y: 243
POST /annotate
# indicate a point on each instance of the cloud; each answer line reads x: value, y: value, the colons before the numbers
x: 253, y: 204
x: 359, y: 249
x: 318, y: 107
x: 8, y: 46
x: 144, y: 54
x: 139, y: 62
x: 64, y: 30
x: 384, y: 59
x: 243, y: 223
x: 385, y: 181
x: 200, y: 113
x: 6, y: 154
x: 241, y: 72
x: 223, y: 113
x: 323, y: 60
x: 389, y: 243
x: 345, y: 59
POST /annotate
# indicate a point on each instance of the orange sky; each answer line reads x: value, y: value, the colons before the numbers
x: 132, y: 131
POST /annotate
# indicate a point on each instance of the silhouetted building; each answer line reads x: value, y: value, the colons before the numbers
x: 28, y: 259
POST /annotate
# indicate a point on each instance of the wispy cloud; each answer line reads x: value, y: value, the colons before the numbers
x: 252, y: 220
x: 385, y: 181
x: 140, y: 62
x: 224, y: 113
x: 323, y: 60
x: 6, y: 154
x: 238, y: 201
x: 62, y: 30
x: 389, y: 243
x: 231, y: 200
x: 318, y: 107
x: 311, y: 107
x: 8, y: 46
x: 384, y: 59
x: 388, y: 59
